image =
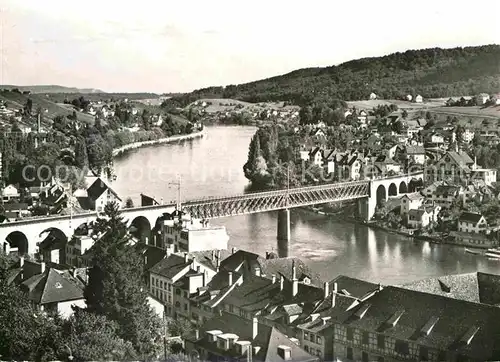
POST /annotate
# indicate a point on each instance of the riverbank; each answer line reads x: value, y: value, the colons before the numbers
x: 135, y: 145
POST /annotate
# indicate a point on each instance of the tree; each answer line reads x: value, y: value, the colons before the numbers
x: 306, y: 115
x: 81, y: 158
x: 25, y: 334
x: 93, y: 337
x: 115, y: 288
x: 129, y: 203
x: 28, y: 107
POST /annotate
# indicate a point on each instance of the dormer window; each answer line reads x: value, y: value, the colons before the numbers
x: 469, y: 335
x: 395, y: 318
x: 360, y: 313
x: 58, y: 285
x: 427, y: 328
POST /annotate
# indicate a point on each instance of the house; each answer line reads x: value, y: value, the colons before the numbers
x: 330, y: 159
x: 453, y: 166
x: 373, y: 96
x: 468, y: 135
x: 168, y: 271
x: 76, y: 247
x: 316, y: 156
x: 474, y: 287
x: 318, y: 133
x: 445, y: 195
x: 486, y: 175
x: 54, y: 291
x: 418, y: 218
x: 410, y: 202
x: 350, y: 167
x: 482, y: 98
x: 480, y: 241
x: 419, y: 99
x: 401, y: 324
x: 415, y: 154
x: 10, y: 192
x: 409, y: 97
x: 387, y: 165
x: 188, y: 234
x: 229, y: 337
x: 470, y: 222
x: 15, y: 210
x: 99, y: 194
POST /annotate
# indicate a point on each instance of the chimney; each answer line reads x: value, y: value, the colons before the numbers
x: 379, y: 287
x: 185, y: 258
x: 168, y: 251
x: 230, y: 278
x: 334, y: 296
x: 197, y: 334
x: 213, y: 255
x: 274, y: 278
x: 217, y: 265
x: 145, y: 260
x: 205, y: 278
x: 335, y: 287
x: 255, y: 327
x: 198, y: 269
x: 326, y: 289
x: 73, y: 272
x: 295, y: 282
x: 233, y: 250
x: 257, y: 271
x: 21, y: 261
x: 282, y: 280
x: 42, y: 267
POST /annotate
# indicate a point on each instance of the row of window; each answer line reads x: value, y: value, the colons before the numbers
x: 313, y: 338
x: 160, y: 284
x: 313, y: 351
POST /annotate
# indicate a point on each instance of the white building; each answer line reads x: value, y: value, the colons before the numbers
x: 470, y: 222
x: 411, y: 202
x: 10, y: 192
x: 419, y: 99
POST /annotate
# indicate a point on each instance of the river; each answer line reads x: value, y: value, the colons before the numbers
x: 213, y: 166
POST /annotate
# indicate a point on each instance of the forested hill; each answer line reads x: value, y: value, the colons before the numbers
x: 432, y: 73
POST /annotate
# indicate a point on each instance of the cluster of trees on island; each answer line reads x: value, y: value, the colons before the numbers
x: 430, y: 72
x: 118, y: 323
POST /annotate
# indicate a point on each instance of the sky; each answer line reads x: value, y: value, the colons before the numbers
x: 178, y: 46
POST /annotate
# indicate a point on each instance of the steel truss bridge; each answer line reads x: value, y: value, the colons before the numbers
x: 210, y: 208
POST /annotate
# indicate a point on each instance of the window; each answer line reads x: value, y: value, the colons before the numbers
x: 381, y: 341
x: 424, y: 353
x: 401, y: 347
x: 364, y: 339
x: 306, y: 348
x: 177, y: 291
x: 350, y: 334
x: 231, y: 308
x: 364, y: 356
x: 306, y: 336
x: 349, y: 353
x: 318, y: 340
x: 185, y: 294
x: 185, y: 306
x: 161, y: 284
x: 177, y: 305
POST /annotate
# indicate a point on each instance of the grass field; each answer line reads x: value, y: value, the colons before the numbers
x: 370, y: 104
x: 228, y: 105
x: 472, y: 112
x: 50, y: 109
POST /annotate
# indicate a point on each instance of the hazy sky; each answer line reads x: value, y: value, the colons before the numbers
x: 170, y: 45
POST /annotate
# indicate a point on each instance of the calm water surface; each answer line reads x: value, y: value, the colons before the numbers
x: 213, y: 166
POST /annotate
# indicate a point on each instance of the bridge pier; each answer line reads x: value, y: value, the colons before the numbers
x: 284, y: 225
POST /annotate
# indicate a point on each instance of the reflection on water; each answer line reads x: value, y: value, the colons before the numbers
x: 213, y: 166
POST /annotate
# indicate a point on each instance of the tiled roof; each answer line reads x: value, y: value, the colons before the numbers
x: 267, y: 338
x: 416, y: 212
x: 283, y: 266
x: 415, y: 150
x: 232, y: 262
x: 332, y: 312
x: 470, y: 217
x: 355, y: 287
x: 209, y: 257
x: 98, y: 188
x: 170, y: 266
x: 52, y: 287
x: 414, y: 196
x: 152, y: 254
x: 465, y: 328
